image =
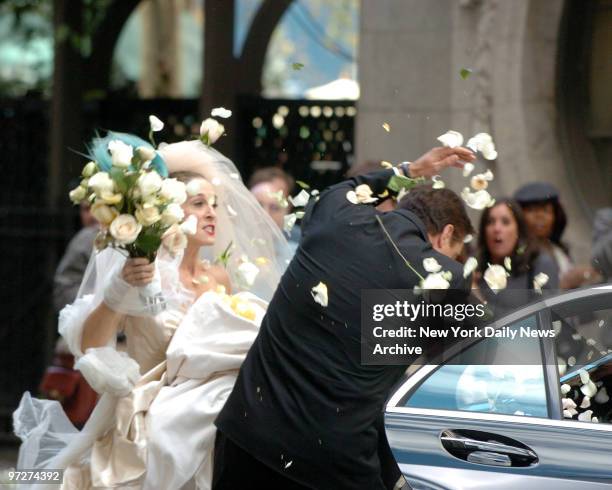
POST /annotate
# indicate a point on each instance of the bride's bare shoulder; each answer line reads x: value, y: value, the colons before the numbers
x: 221, y: 277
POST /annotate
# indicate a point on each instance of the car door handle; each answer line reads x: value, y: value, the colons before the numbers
x: 487, y: 452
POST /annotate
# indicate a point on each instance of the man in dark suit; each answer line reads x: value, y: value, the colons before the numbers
x: 305, y: 413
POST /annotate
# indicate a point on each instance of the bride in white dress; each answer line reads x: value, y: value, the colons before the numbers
x: 153, y: 425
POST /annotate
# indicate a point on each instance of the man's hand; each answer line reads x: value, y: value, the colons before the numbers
x: 437, y: 159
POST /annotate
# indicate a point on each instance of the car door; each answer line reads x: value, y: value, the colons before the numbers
x: 474, y: 426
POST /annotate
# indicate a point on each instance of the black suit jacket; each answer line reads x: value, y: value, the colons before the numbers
x: 303, y: 403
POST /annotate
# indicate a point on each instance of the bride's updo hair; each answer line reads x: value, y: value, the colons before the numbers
x: 186, y: 176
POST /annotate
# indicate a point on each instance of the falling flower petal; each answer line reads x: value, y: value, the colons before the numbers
x: 602, y: 396
x: 565, y: 389
x: 496, y: 277
x: 477, y: 200
x: 297, y: 66
x: 469, y: 266
x: 435, y: 280
x: 246, y: 274
x: 193, y: 187
x: 431, y: 265
x: 488, y: 175
x: 231, y: 212
x: 479, y: 182
x: 465, y: 73
x: 468, y: 238
x: 190, y: 225
x: 386, y: 127
x: 468, y: 168
x: 289, y: 222
x: 508, y: 264
x: 585, y: 416
x: 386, y: 164
x: 319, y: 294
x: 155, y: 123
x: 589, y: 389
x: 451, y: 139
x: 539, y: 281
x: 288, y: 464
x: 300, y: 200
x: 571, y: 361
x: 438, y: 183
x: 568, y: 403
x: 586, y: 402
x: 221, y: 112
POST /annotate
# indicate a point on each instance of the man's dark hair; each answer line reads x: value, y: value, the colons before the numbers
x: 438, y: 208
x: 268, y: 174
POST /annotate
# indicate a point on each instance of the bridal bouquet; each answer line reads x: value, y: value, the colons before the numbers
x: 130, y: 194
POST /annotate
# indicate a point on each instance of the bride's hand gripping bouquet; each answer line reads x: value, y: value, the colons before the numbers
x: 138, y: 206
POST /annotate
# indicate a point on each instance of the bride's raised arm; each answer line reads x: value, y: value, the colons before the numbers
x: 101, y: 325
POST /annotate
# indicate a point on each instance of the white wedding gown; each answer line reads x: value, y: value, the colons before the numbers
x: 159, y: 432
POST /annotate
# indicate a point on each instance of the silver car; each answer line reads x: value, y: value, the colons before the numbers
x: 462, y: 425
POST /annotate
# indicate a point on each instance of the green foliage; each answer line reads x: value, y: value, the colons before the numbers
x: 297, y: 66
x: 303, y: 185
x: 399, y: 182
x: 223, y: 259
x: 465, y: 73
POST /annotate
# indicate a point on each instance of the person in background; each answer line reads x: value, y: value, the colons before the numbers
x: 503, y: 234
x: 271, y: 186
x: 546, y: 221
x: 602, y: 243
x: 73, y: 263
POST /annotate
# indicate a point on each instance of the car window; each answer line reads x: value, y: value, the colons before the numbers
x: 494, y: 387
x: 584, y: 352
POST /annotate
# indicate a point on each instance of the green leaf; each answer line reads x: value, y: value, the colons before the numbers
x: 148, y: 243
x: 297, y: 66
x: 120, y: 180
x: 399, y: 182
x: 223, y: 259
x: 465, y: 73
x: 302, y: 184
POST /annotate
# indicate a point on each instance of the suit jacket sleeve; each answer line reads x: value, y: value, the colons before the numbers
x: 333, y: 204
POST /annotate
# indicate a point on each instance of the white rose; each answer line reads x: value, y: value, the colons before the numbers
x: 149, y: 183
x: 174, y: 240
x: 435, y: 280
x: 125, y: 229
x: 89, y: 169
x: 121, y: 153
x: 496, y: 277
x: 451, y: 139
x: 319, y: 294
x: 190, y: 225
x: 300, y: 200
x: 221, y: 112
x: 77, y: 194
x: 431, y: 265
x: 174, y: 190
x: 110, y: 197
x: 145, y: 153
x: 211, y: 131
x: 156, y: 124
x: 101, y: 182
x: 103, y: 213
x: 147, y: 214
x: 172, y: 214
x: 246, y: 274
x: 469, y: 266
